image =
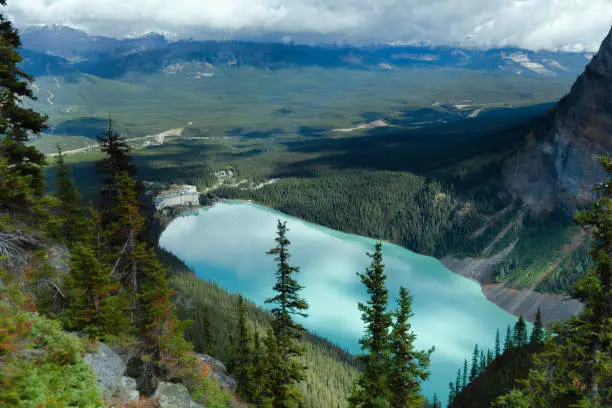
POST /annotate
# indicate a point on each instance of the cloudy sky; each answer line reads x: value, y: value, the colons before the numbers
x: 551, y: 24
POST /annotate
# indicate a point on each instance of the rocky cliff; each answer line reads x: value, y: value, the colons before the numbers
x: 557, y: 166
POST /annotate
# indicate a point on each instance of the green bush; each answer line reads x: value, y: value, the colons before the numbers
x: 40, y: 365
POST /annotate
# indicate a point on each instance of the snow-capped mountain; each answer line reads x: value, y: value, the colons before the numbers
x: 152, y: 52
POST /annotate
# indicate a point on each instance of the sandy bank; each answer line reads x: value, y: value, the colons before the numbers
x: 518, y: 302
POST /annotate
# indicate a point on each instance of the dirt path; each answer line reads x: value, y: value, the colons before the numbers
x: 57, y: 81
x: 369, y: 125
x: 51, y: 96
x: 158, y: 137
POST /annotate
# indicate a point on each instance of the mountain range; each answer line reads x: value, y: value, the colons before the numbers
x: 66, y: 49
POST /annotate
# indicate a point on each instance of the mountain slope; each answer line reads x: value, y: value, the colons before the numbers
x: 558, y: 166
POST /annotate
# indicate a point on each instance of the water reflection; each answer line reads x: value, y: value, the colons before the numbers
x: 227, y: 244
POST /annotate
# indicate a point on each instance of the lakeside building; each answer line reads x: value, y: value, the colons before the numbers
x: 177, y: 196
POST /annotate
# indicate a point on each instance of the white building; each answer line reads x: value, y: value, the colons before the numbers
x: 176, y: 196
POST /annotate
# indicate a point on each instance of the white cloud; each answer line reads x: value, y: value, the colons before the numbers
x: 532, y: 24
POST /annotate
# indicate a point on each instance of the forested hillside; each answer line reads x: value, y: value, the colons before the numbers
x: 73, y: 276
x: 429, y: 217
x: 92, y: 271
x: 420, y: 214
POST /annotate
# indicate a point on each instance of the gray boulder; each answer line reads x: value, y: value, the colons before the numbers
x: 170, y: 395
x: 126, y: 391
x: 219, y: 373
x: 108, y: 366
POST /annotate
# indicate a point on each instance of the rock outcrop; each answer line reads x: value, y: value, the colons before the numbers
x: 126, y: 390
x: 108, y: 366
x: 219, y: 373
x: 557, y: 167
x: 170, y: 395
x: 118, y: 389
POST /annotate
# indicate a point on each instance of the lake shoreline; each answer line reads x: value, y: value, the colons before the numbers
x: 521, y: 302
x: 227, y: 244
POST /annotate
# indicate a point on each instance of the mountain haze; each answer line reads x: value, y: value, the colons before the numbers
x: 112, y: 58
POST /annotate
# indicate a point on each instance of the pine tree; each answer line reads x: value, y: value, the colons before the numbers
x: 123, y: 239
x: 497, y: 344
x: 482, y: 362
x: 17, y: 122
x: 436, y: 401
x: 372, y: 388
x: 489, y: 357
x: 117, y: 150
x: 242, y: 365
x: 261, y: 368
x: 474, y: 370
x: 273, y: 386
x: 464, y: 380
x: 409, y: 367
x: 287, y: 303
x: 508, y: 342
x: 157, y: 323
x: 117, y: 161
x: 458, y: 382
x: 537, y: 333
x: 71, y: 214
x: 94, y: 302
x: 451, y: 394
x: 520, y: 333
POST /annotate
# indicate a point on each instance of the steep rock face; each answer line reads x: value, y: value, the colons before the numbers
x: 557, y: 166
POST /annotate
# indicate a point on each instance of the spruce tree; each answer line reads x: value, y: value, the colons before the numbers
x: 117, y: 150
x: 451, y: 394
x: 157, y: 323
x: 464, y: 380
x: 520, y: 333
x: 117, y: 161
x: 273, y: 386
x: 435, y: 402
x: 474, y: 370
x: 95, y: 304
x: 508, y: 342
x: 482, y: 362
x: 70, y: 211
x: 537, y: 333
x: 287, y: 303
x: 372, y: 387
x: 489, y: 357
x: 262, y: 361
x: 497, y: 344
x: 409, y: 367
x: 458, y: 382
x: 123, y: 237
x: 18, y: 123
x: 242, y: 365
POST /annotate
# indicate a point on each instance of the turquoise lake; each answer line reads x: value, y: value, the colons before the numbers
x: 227, y: 244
